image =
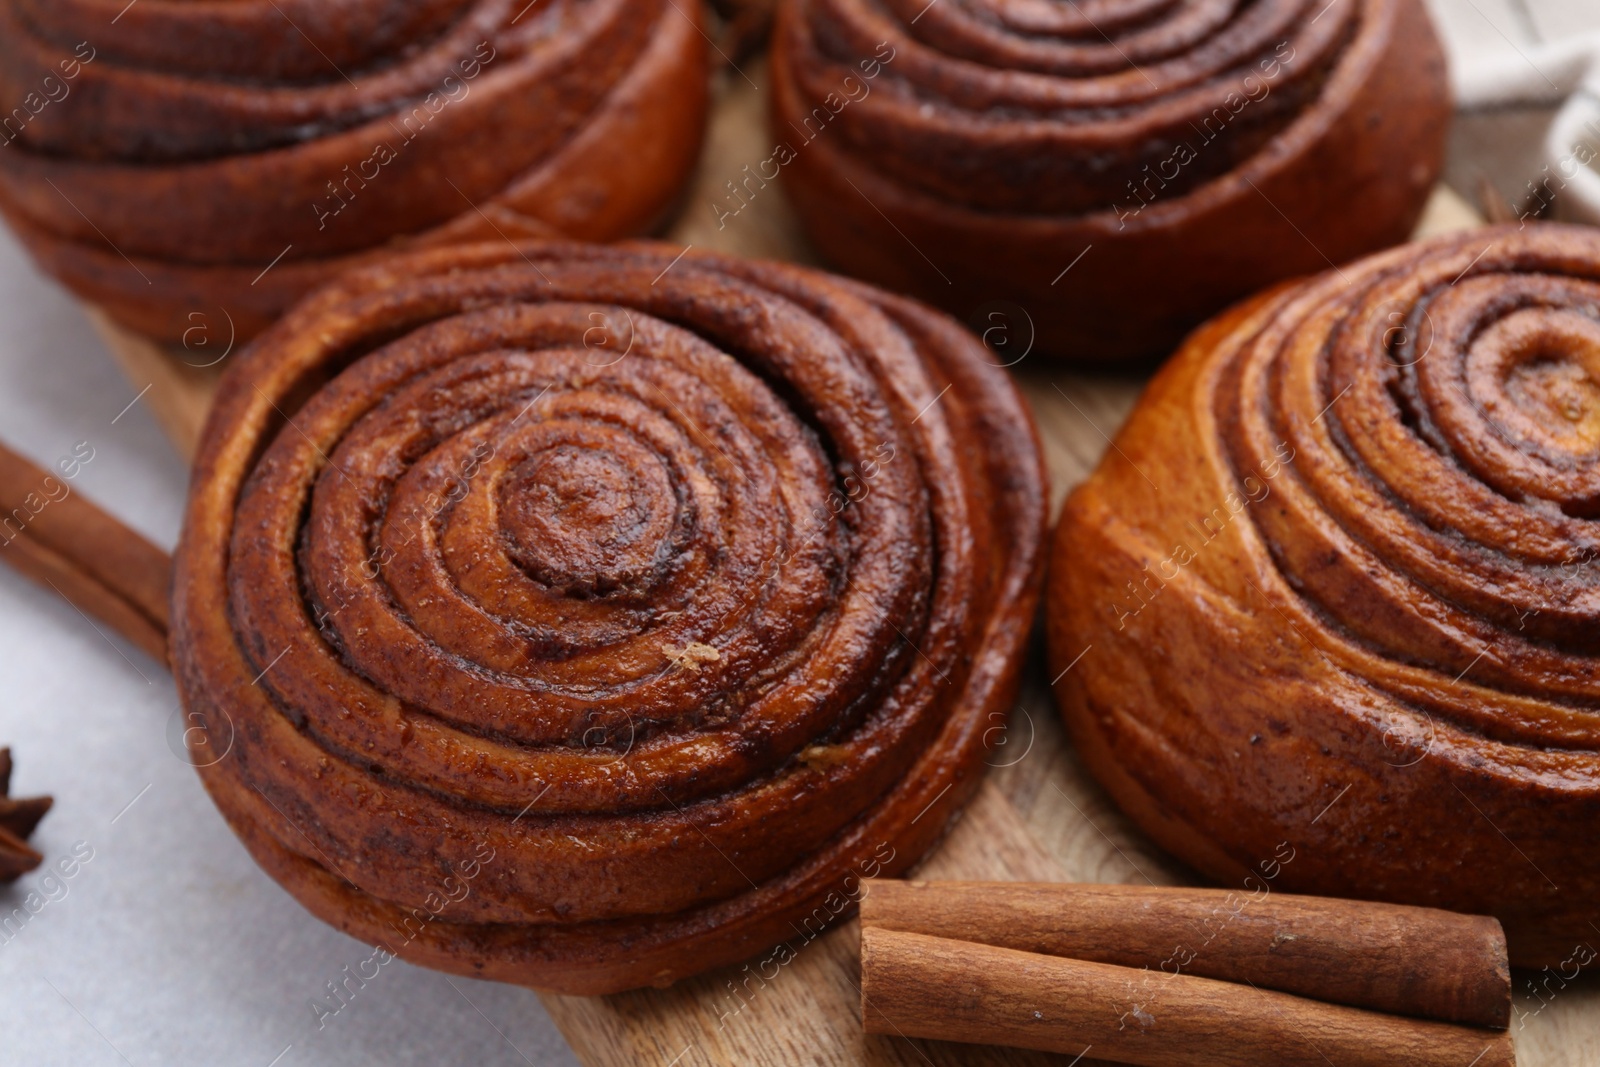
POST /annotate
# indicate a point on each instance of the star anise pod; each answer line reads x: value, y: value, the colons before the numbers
x: 18, y: 817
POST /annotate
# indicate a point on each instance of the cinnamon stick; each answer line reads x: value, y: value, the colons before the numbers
x: 1387, y: 957
x: 50, y: 533
x: 914, y: 985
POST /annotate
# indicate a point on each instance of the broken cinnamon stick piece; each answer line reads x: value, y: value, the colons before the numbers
x: 51, y: 534
x: 1386, y: 957
x: 914, y: 985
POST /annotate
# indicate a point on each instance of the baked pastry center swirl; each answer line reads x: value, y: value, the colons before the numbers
x: 522, y: 542
x: 677, y: 586
x: 1444, y: 477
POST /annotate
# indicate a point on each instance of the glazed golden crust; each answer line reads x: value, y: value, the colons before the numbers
x: 679, y: 588
x: 1337, y: 586
x: 162, y: 190
x: 1200, y: 149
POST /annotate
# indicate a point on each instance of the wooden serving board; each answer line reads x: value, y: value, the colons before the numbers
x: 1038, y: 815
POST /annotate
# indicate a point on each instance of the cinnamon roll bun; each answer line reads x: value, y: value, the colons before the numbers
x: 1189, y: 151
x: 586, y: 617
x: 170, y: 160
x: 1333, y: 593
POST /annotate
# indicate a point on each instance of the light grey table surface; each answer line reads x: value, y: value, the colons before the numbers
x: 169, y: 946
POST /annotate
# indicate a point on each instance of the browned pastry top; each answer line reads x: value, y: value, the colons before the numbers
x: 1191, y: 151
x: 264, y: 164
x: 292, y: 41
x: 180, y: 162
x: 680, y: 587
x: 1346, y: 550
x: 1044, y: 109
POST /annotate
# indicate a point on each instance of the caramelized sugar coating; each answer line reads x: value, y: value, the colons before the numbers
x: 1190, y: 151
x: 1338, y: 585
x: 209, y: 163
x: 635, y: 608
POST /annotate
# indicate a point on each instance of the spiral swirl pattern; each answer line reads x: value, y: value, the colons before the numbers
x: 676, y: 586
x: 1002, y: 137
x: 1363, y: 566
x: 162, y: 161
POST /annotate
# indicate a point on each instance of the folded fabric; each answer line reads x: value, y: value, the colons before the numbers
x: 1526, y: 75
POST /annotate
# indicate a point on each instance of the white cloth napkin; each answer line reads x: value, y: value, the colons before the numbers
x: 1526, y: 76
